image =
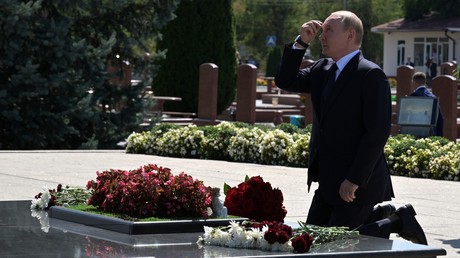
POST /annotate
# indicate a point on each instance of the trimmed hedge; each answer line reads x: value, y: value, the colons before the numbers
x: 287, y: 145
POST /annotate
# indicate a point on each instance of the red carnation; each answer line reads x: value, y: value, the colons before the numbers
x: 302, y: 243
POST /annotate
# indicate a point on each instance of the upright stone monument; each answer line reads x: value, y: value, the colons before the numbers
x: 445, y: 87
x: 246, y: 83
x: 404, y: 78
x: 207, y: 95
x: 447, y: 68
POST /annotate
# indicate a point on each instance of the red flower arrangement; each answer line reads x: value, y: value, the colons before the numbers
x: 281, y: 233
x: 255, y: 200
x: 302, y: 243
x: 277, y: 232
x: 150, y: 191
x: 265, y: 235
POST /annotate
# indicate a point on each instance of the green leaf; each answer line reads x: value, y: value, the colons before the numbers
x: 246, y: 178
x: 226, y: 188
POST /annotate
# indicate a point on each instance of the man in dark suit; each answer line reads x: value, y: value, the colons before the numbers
x: 351, y: 101
x: 409, y: 61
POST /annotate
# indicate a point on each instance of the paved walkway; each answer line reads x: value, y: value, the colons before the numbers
x: 23, y: 173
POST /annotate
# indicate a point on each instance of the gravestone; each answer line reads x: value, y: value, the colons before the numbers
x: 120, y: 73
x: 246, y: 83
x: 445, y: 87
x: 207, y: 95
x: 404, y: 81
x: 447, y: 68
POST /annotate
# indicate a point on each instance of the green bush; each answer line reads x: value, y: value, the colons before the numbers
x: 298, y: 152
x: 273, y: 147
x: 216, y: 141
x: 244, y: 146
x: 433, y: 157
x: 181, y: 142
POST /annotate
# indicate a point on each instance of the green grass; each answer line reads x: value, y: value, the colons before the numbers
x: 95, y: 210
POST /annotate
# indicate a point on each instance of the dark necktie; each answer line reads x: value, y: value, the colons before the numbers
x: 330, y: 81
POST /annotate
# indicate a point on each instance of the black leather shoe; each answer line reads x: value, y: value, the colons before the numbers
x: 410, y: 228
x: 387, y: 210
x: 381, y: 212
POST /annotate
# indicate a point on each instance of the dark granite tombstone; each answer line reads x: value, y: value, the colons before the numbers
x: 22, y: 235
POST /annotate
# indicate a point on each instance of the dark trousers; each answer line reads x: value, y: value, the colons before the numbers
x: 353, y: 215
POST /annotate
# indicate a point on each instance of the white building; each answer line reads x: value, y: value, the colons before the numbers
x: 432, y: 37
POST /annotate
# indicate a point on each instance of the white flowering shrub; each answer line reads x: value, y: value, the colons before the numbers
x: 273, y: 147
x: 146, y: 142
x: 298, y: 152
x: 446, y: 166
x: 416, y: 162
x: 433, y: 157
x: 244, y: 146
x: 216, y: 141
x: 137, y: 142
x: 181, y: 142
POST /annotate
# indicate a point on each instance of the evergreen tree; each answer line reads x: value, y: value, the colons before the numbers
x: 274, y: 59
x: 255, y: 20
x: 202, y: 33
x: 417, y: 9
x: 55, y: 92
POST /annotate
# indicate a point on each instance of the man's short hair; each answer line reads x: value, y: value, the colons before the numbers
x: 351, y: 21
x: 419, y: 78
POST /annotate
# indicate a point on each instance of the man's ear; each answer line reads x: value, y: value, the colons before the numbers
x: 351, y: 34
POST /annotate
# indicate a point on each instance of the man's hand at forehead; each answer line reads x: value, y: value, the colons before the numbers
x: 309, y: 30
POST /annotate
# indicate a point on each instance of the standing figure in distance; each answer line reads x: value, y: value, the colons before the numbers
x: 431, y: 70
x: 409, y: 61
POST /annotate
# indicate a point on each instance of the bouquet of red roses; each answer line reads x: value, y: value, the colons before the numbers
x: 255, y: 200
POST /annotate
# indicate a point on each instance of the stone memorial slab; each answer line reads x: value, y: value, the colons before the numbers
x: 22, y: 235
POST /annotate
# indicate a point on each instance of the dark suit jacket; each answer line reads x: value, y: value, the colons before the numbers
x: 350, y: 130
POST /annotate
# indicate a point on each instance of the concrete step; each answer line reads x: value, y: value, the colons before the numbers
x: 286, y: 99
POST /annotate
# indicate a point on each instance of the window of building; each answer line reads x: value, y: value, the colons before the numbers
x: 401, y: 52
x: 426, y: 48
x: 419, y: 53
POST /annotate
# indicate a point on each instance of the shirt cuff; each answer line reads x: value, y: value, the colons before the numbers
x: 294, y: 46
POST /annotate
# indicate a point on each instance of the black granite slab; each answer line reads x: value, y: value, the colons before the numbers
x: 22, y: 235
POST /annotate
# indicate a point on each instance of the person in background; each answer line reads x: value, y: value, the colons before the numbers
x: 351, y: 101
x: 253, y: 61
x: 431, y: 70
x: 238, y: 58
x: 421, y: 90
x: 409, y: 61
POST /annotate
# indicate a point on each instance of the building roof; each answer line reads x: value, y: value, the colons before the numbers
x: 429, y: 23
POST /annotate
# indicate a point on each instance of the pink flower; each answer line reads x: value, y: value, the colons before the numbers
x: 150, y: 191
